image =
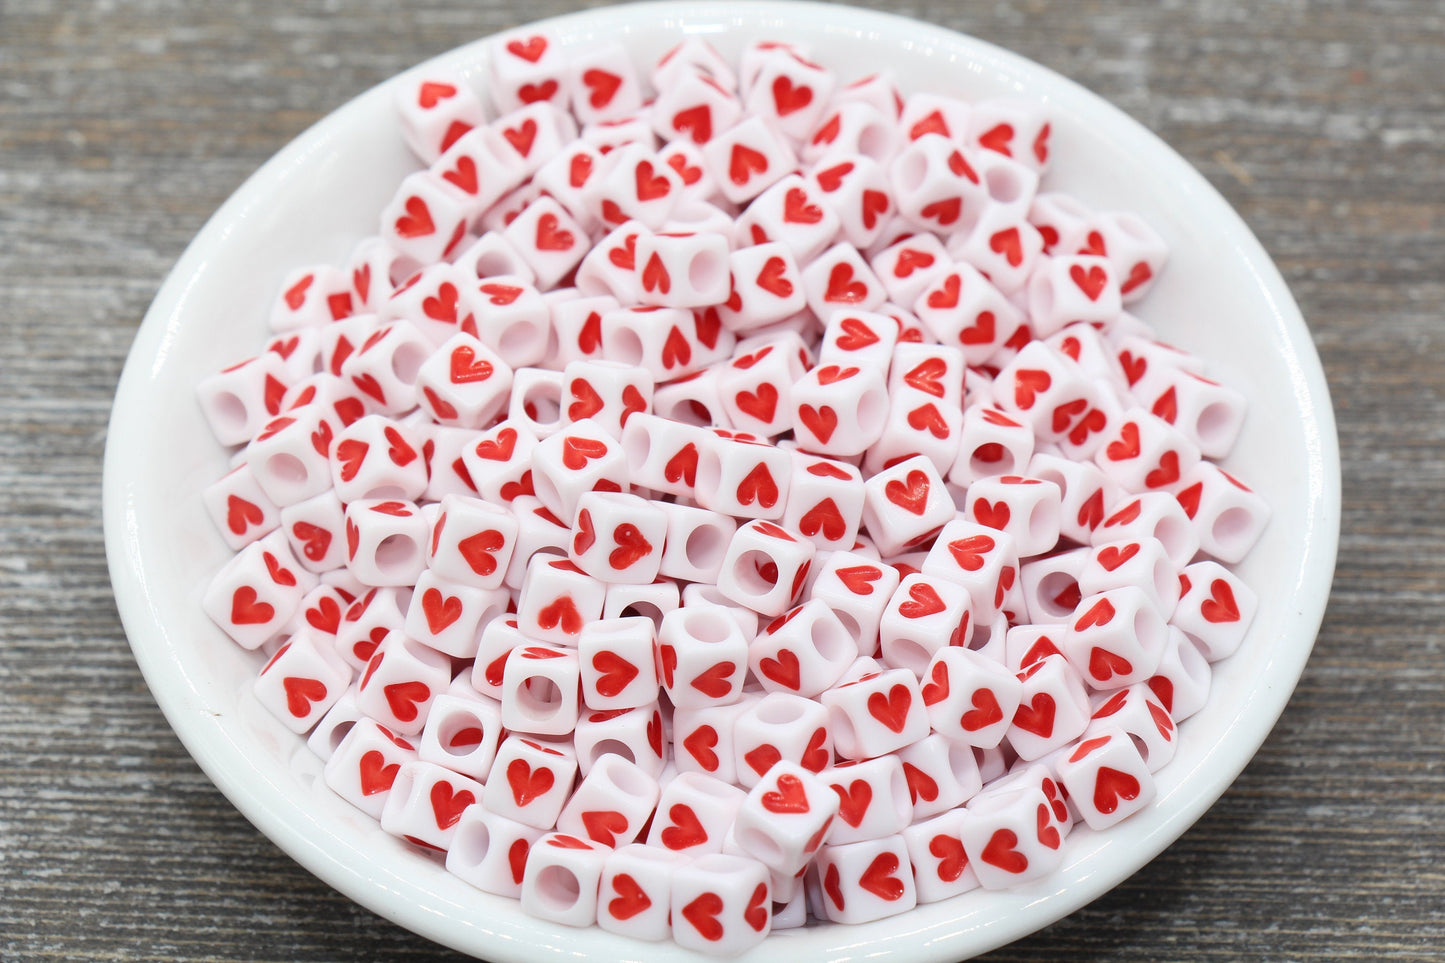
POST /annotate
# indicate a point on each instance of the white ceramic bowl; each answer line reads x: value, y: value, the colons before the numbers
x: 1220, y: 297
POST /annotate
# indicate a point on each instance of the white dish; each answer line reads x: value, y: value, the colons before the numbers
x: 1220, y: 297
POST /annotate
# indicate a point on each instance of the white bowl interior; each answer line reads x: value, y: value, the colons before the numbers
x: 1220, y: 297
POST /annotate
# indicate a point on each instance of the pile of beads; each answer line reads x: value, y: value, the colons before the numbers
x: 757, y: 503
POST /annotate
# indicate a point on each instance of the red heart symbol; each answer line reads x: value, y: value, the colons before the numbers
x: 624, y: 257
x: 1162, y: 722
x: 550, y: 236
x: 532, y: 93
x: 879, y: 880
x: 448, y: 804
x: 997, y: 138
x: 748, y: 360
x: 631, y: 548
x: 501, y: 294
x: 528, y: 784
x: 937, y: 690
x: 745, y: 161
x: 981, y: 331
x: 326, y: 616
x: 1112, y: 556
x: 1166, y: 406
x: 589, y: 339
x: 784, y: 670
x: 762, y: 758
x: 1124, y: 515
x: 790, y: 796
x: 832, y: 178
x: 587, y: 402
x: 1027, y: 382
x: 247, y: 610
x: 467, y: 368
x: 824, y: 517
x: 910, y: 260
x: 1139, y: 274
x: 617, y: 673
x: 756, y: 915
x: 689, y: 175
x: 1166, y: 473
x: 952, y: 859
x: 464, y: 175
x: 944, y: 211
x: 858, y: 579
x: 831, y: 885
x: 696, y: 121
x: 498, y: 449
x: 946, y: 296
x: 530, y: 50
x: 443, y: 409
x: 1126, y: 446
x: 855, y: 334
x: 604, y: 826
x: 1221, y: 605
x: 1037, y: 715
x: 920, y: 784
x: 787, y: 98
x: 853, y: 802
x: 1110, y: 786
x: 682, y: 467
x: 1164, y: 690
x: 655, y: 276
x: 875, y: 205
x: 758, y: 486
x: 817, y: 757
x: 1134, y: 368
x: 701, y: 743
x: 300, y: 693
x: 1064, y: 413
x: 240, y: 513
x: 797, y: 210
x: 773, y: 280
x: 517, y: 859
x: 714, y: 682
x: 650, y: 185
x: 416, y: 222
x: 676, y: 350
x: 431, y: 92
x: 1091, y: 513
x: 991, y: 515
x: 1048, y: 834
x: 960, y: 167
x: 296, y: 294
x: 822, y: 422
x: 927, y: 376
x: 630, y: 899
x: 923, y: 600
x: 985, y: 713
x: 910, y: 494
x: 968, y: 552
x: 561, y: 612
x: 579, y: 170
x: 829, y: 131
x: 1094, y: 245
x: 603, y: 84
x: 577, y: 451
x: 1091, y: 282
x: 1100, y: 613
x: 892, y: 709
x: 842, y: 288
x: 933, y: 123
x: 1007, y: 243
x: 403, y: 698
x: 1001, y: 852
x: 401, y: 453
x: 685, y: 830
x: 440, y: 610
x: 702, y: 913
x: 477, y: 551
x: 376, y: 776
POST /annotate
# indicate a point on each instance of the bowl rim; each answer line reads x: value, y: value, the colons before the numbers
x: 273, y: 813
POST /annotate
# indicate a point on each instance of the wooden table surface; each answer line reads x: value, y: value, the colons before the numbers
x: 124, y: 124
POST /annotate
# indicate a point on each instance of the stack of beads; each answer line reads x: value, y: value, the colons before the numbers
x: 699, y: 514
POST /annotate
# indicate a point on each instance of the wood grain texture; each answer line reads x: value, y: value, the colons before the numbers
x: 123, y: 125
